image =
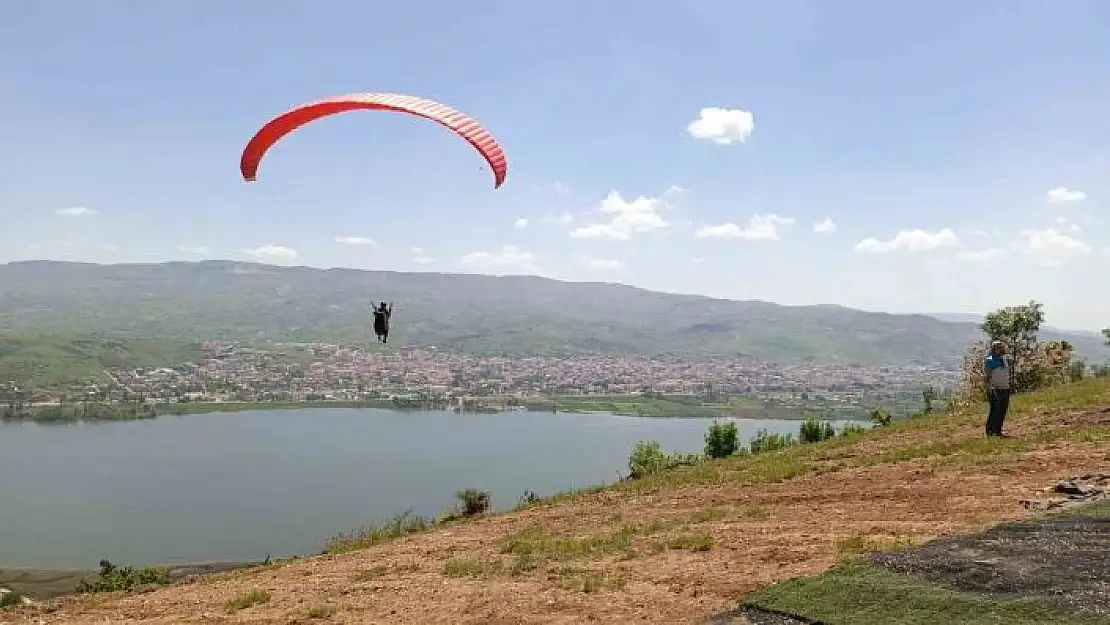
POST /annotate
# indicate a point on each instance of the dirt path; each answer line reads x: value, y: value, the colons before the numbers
x: 680, y: 555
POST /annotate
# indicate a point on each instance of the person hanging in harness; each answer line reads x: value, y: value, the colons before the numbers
x: 381, y: 321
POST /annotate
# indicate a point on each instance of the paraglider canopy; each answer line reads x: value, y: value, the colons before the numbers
x: 460, y: 123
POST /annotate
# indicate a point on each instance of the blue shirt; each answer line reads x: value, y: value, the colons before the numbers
x: 999, y: 372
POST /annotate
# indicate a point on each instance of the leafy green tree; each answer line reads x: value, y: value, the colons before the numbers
x: 928, y: 396
x: 722, y: 440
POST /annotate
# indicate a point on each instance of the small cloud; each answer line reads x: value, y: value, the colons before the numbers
x: 697, y: 260
x: 1062, y: 194
x: 626, y: 218
x: 1050, y: 248
x: 980, y: 233
x: 1071, y: 226
x: 75, y: 211
x: 915, y: 240
x: 604, y: 264
x: 272, y: 253
x: 560, y: 188
x: 360, y: 241
x: 566, y: 217
x: 520, y: 223
x: 722, y: 126
x: 193, y: 249
x: 510, y: 259
x: 419, y: 257
x: 760, y: 227
x: 825, y: 226
x: 674, y: 188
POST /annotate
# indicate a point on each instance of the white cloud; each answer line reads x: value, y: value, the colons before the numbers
x: 566, y: 217
x: 509, y: 260
x: 604, y: 264
x: 560, y: 188
x: 1062, y: 194
x: 981, y: 255
x: 75, y: 211
x: 272, y: 253
x: 697, y: 260
x: 825, y: 226
x: 627, y: 218
x: 362, y: 241
x: 674, y: 188
x: 915, y: 240
x: 760, y: 227
x: 1050, y: 248
x: 722, y: 126
x: 419, y: 257
x: 193, y: 249
x: 520, y: 223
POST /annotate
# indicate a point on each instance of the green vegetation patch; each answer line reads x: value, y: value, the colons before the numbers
x: 859, y: 594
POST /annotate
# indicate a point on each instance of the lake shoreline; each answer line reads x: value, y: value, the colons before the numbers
x: 642, y: 407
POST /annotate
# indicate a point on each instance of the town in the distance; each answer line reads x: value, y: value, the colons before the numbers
x: 426, y: 377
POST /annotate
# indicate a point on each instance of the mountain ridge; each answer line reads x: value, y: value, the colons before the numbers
x: 467, y: 312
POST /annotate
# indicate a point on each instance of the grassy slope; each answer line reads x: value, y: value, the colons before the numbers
x: 684, y: 544
x: 38, y: 360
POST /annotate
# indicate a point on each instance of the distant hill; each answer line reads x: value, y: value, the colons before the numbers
x: 977, y: 318
x: 516, y: 314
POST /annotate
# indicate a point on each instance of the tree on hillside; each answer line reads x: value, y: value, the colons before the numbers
x: 1033, y: 363
x: 1106, y: 335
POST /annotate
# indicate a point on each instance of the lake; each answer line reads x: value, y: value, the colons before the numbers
x: 236, y: 487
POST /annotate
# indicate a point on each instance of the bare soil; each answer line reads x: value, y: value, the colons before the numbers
x: 799, y: 532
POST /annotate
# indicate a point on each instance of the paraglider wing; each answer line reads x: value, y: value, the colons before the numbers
x: 460, y: 123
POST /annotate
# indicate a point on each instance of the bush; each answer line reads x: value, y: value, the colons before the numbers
x: 766, y: 441
x: 473, y: 502
x: 648, y: 459
x: 813, y: 431
x: 881, y: 418
x: 528, y: 498
x: 721, y: 441
x: 10, y: 598
x: 851, y: 430
x: 113, y: 578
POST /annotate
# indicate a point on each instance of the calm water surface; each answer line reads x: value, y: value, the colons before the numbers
x: 239, y: 486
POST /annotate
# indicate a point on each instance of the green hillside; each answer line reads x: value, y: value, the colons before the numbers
x: 485, y: 314
x: 34, y: 360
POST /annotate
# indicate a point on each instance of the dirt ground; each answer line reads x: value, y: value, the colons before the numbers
x: 801, y: 523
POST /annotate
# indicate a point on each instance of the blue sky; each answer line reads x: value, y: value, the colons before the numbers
x: 935, y: 137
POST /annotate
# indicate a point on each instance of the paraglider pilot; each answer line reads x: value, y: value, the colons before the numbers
x: 381, y: 321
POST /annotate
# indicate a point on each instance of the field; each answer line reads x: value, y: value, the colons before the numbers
x: 682, y: 546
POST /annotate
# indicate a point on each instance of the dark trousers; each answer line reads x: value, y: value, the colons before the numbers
x: 1000, y: 403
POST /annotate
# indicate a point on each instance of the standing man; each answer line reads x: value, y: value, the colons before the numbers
x: 997, y: 380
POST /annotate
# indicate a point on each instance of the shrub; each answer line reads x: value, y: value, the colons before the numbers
x: 721, y: 441
x: 813, y: 431
x: 113, y: 578
x: 528, y: 498
x: 881, y: 418
x: 766, y: 441
x: 10, y: 598
x: 648, y: 459
x: 851, y: 430
x: 473, y: 502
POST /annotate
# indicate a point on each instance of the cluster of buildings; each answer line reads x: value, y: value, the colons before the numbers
x: 315, y: 371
